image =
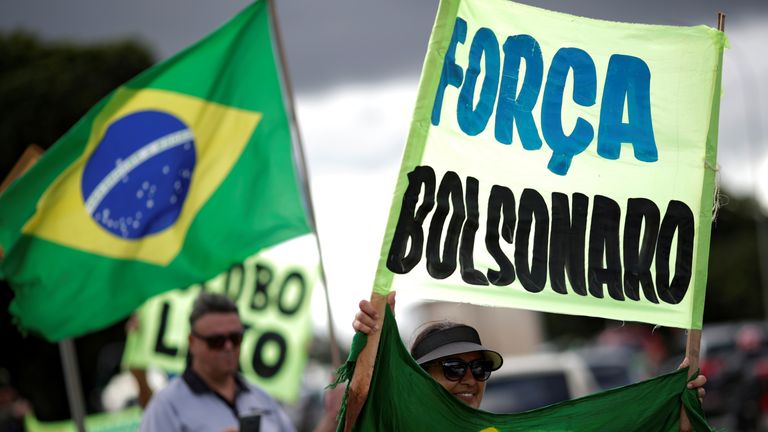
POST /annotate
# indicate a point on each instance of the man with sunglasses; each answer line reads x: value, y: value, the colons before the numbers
x: 211, y: 395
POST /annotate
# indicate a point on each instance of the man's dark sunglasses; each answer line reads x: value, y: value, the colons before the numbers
x: 217, y: 341
x: 454, y: 370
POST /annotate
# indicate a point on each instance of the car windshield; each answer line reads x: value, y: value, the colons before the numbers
x: 610, y: 376
x: 504, y: 395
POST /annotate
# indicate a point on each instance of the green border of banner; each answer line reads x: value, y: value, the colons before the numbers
x: 117, y: 421
x: 708, y: 192
x: 417, y: 136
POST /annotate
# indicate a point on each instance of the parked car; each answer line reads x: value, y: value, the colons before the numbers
x: 532, y: 381
x: 615, y: 365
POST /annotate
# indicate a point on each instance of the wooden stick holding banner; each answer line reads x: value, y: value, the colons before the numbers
x: 693, y: 341
x: 692, y: 349
x: 361, y: 380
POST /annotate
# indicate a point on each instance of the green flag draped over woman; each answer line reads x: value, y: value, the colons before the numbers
x: 403, y: 396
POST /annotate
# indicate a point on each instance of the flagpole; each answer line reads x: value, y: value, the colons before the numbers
x: 361, y: 379
x: 72, y: 381
x: 693, y: 341
x: 66, y: 347
x: 303, y: 171
x: 692, y: 349
x: 31, y: 154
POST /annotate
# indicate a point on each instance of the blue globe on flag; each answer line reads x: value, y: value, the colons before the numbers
x: 136, y: 180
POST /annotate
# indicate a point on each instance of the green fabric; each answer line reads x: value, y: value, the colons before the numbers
x: 71, y: 276
x: 455, y: 250
x: 345, y: 372
x: 404, y: 397
x: 127, y: 420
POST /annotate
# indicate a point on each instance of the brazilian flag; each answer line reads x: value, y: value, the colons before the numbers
x: 169, y: 180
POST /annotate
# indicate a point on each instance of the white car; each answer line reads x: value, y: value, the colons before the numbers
x: 532, y: 381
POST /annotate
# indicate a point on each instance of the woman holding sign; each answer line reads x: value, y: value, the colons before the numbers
x: 454, y: 356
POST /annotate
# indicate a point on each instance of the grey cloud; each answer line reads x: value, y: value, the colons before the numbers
x: 330, y: 41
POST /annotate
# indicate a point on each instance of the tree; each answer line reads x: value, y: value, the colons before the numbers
x: 47, y: 86
x: 734, y: 289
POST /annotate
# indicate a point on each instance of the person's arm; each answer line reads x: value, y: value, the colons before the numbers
x: 139, y: 374
x: 331, y: 402
x: 366, y: 317
x: 145, y: 391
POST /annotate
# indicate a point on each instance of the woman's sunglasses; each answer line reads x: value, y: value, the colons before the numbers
x: 454, y: 370
x: 217, y: 341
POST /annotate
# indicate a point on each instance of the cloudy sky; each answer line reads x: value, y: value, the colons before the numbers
x: 354, y: 66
